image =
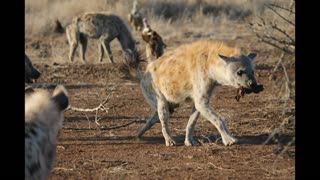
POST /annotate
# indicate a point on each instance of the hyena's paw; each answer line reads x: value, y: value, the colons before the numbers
x: 191, y: 142
x: 170, y: 142
x: 229, y: 140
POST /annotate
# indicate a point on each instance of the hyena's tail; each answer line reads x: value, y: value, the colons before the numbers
x: 58, y: 28
x: 130, y: 65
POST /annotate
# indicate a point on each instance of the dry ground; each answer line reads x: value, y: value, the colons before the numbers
x: 87, y: 152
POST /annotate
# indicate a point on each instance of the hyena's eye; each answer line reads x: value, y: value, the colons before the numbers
x: 240, y: 72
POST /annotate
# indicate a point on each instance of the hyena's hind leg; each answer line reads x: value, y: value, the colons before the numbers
x: 73, y: 39
x: 83, y: 47
x: 105, y: 41
x: 150, y: 96
x: 189, y: 140
x: 150, y: 122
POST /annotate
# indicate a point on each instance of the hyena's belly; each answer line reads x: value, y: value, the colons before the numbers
x: 89, y: 30
x: 175, y: 92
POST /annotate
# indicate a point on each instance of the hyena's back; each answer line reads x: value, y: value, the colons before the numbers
x: 175, y: 72
x: 96, y: 24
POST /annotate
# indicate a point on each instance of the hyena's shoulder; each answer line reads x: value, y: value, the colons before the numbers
x: 208, y: 49
x: 95, y: 17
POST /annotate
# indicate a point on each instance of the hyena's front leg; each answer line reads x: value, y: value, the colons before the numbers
x: 73, y: 47
x: 83, y: 47
x: 218, y: 122
x: 105, y: 41
x: 189, y: 141
x: 163, y: 112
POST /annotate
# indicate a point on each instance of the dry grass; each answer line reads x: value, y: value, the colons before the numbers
x: 40, y: 15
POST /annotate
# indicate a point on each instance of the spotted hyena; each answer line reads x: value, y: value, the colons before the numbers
x: 193, y: 72
x: 30, y: 73
x: 104, y: 27
x: 135, y: 17
x: 44, y: 116
x: 155, y: 44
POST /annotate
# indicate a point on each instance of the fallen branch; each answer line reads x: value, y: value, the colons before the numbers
x: 96, y: 109
x: 100, y: 107
x: 102, y: 128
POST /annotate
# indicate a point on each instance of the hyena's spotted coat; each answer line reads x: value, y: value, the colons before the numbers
x: 104, y: 27
x: 193, y: 71
x: 44, y: 116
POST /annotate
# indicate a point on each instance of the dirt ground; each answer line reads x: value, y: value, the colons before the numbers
x: 86, y: 152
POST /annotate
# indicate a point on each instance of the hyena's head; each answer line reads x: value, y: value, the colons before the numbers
x: 30, y: 72
x: 240, y: 71
x: 41, y: 106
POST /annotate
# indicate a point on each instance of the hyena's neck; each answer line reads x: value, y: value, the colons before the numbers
x: 126, y: 41
x: 220, y: 75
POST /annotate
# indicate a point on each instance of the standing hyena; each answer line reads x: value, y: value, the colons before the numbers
x: 135, y: 17
x: 44, y: 116
x: 155, y: 44
x: 30, y: 72
x: 101, y: 26
x: 193, y: 71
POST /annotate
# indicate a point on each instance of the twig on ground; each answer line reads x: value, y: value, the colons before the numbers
x: 102, y: 128
x: 96, y: 109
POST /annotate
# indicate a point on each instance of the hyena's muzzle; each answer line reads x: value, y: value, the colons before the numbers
x: 30, y: 73
x: 253, y: 86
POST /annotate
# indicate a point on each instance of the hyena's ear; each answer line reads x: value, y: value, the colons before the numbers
x: 225, y: 58
x: 60, y: 97
x: 252, y: 56
x: 28, y: 90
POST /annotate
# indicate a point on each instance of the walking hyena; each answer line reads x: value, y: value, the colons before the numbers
x: 101, y: 26
x: 44, y: 116
x: 135, y: 17
x: 155, y: 44
x: 30, y: 72
x: 193, y: 71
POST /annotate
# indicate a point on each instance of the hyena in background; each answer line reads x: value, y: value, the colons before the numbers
x: 105, y: 28
x: 30, y: 73
x: 44, y: 116
x: 193, y: 72
x: 135, y: 17
x: 155, y: 44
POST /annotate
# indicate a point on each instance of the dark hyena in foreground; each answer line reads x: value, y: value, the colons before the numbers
x: 30, y: 72
x: 44, y: 116
x: 104, y: 27
x: 193, y: 71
